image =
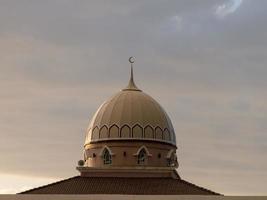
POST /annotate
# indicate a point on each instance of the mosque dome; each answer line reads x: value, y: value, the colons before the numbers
x: 130, y: 114
x: 132, y: 132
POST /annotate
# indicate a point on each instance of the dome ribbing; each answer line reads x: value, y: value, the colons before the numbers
x: 131, y: 115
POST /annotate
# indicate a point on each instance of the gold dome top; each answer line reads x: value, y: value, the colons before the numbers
x: 130, y: 115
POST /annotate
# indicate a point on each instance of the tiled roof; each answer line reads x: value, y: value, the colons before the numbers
x: 116, y: 185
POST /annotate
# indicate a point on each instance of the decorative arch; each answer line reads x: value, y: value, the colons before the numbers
x: 103, y: 133
x: 142, y: 155
x: 166, y: 134
x: 106, y: 154
x: 158, y: 133
x: 172, y: 158
x: 108, y: 149
x: 146, y: 150
x: 125, y: 131
x: 169, y: 154
x: 149, y: 132
x: 137, y: 131
x: 114, y: 131
x: 95, y: 133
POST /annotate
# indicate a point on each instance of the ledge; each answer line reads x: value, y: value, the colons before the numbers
x: 142, y: 171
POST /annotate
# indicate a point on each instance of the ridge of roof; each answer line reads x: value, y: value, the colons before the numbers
x: 49, y: 184
x: 101, y: 185
x: 202, y: 188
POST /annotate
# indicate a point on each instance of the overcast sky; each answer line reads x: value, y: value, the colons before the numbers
x: 204, y: 61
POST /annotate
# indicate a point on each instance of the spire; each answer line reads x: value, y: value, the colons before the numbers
x: 131, y: 84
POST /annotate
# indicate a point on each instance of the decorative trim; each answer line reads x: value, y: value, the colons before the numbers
x: 170, y: 153
x: 96, y: 133
x: 107, y: 148
x: 109, y: 130
x: 131, y: 139
x: 145, y: 148
x: 138, y: 125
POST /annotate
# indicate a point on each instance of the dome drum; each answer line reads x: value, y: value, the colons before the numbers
x: 127, y: 154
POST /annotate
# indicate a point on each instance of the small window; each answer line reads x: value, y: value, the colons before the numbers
x: 107, y: 157
x: 172, y: 161
x: 142, y: 157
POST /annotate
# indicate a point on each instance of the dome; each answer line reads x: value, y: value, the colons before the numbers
x: 131, y: 114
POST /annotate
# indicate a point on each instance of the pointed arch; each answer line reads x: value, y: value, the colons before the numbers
x: 142, y: 155
x: 166, y: 134
x: 95, y: 133
x: 114, y: 131
x: 169, y: 154
x: 103, y: 133
x: 106, y: 155
x: 125, y: 131
x: 103, y: 149
x: 149, y: 132
x: 137, y: 131
x: 107, y: 159
x: 158, y: 133
x: 172, y: 159
x: 146, y: 150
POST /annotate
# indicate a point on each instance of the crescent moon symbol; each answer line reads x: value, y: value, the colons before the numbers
x: 131, y: 59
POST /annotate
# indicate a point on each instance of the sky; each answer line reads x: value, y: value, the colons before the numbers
x: 204, y: 61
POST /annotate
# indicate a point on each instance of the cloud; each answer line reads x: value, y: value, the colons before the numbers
x: 176, y: 22
x: 227, y: 8
x: 173, y: 24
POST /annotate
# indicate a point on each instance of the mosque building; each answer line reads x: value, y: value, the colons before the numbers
x: 130, y: 148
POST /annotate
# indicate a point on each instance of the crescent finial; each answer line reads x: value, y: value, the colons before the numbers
x: 131, y: 84
x: 131, y: 59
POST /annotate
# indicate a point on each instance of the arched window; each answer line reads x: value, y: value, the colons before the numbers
x: 142, y: 157
x: 107, y: 157
x: 172, y: 158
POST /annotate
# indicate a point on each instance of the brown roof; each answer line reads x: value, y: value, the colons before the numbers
x: 115, y: 185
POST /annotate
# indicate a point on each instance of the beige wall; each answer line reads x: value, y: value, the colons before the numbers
x: 130, y: 148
